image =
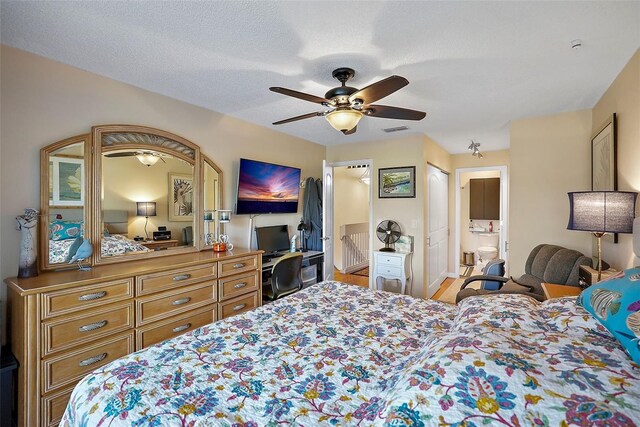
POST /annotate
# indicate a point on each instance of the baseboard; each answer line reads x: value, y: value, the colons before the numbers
x: 453, y: 275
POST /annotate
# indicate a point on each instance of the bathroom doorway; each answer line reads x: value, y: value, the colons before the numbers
x: 480, y: 238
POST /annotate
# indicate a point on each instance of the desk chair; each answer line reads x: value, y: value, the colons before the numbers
x: 285, y: 277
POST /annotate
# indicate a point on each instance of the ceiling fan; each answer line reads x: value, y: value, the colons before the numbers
x: 147, y: 158
x: 347, y: 105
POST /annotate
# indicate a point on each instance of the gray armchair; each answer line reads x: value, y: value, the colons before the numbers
x: 546, y: 263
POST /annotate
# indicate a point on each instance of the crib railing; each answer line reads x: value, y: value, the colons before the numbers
x: 355, y: 246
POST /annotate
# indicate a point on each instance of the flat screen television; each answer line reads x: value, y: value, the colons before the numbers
x: 267, y: 188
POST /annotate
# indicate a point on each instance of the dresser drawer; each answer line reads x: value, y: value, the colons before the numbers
x: 71, y: 366
x: 233, y: 286
x: 60, y: 334
x: 389, y: 260
x: 165, y: 304
x: 238, y: 265
x: 177, y: 325
x: 53, y: 407
x: 389, y: 271
x: 237, y: 305
x: 150, y: 283
x: 69, y: 300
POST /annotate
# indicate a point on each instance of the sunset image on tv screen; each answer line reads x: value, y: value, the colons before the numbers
x: 265, y: 182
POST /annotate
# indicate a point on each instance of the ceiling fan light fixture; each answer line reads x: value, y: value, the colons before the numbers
x: 344, y: 119
x: 147, y: 159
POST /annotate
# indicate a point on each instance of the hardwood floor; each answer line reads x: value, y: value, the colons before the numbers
x: 443, y: 287
x: 351, y: 278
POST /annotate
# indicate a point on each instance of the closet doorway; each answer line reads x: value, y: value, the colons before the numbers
x: 437, y: 228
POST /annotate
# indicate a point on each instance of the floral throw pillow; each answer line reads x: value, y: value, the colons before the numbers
x: 616, y: 304
x: 63, y: 230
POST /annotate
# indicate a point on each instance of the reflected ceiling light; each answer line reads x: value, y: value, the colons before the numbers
x: 474, y: 147
x: 147, y: 158
x: 344, y: 119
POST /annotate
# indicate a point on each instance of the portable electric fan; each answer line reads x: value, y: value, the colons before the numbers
x: 388, y: 232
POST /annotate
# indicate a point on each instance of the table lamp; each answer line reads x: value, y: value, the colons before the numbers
x: 146, y: 209
x: 602, y: 212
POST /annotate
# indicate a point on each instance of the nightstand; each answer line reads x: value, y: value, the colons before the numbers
x: 590, y: 275
x: 552, y: 290
x: 157, y: 245
x: 393, y: 266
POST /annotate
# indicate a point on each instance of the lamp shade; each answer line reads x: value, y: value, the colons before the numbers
x: 146, y: 208
x: 147, y: 159
x: 344, y: 119
x: 602, y: 211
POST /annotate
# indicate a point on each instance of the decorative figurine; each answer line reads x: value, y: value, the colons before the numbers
x: 84, y: 251
x: 28, y: 226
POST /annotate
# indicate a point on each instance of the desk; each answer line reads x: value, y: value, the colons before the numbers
x: 312, y: 268
x: 158, y: 245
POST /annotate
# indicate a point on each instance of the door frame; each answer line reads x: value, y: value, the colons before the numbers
x: 504, y: 213
x: 328, y: 216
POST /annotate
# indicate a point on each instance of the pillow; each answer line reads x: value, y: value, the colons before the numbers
x: 616, y: 304
x: 63, y: 230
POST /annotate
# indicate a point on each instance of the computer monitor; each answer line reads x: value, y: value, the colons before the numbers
x: 273, y: 238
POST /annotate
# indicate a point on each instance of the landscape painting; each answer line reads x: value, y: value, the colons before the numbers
x: 397, y: 182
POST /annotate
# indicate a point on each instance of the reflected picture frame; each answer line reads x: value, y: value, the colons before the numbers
x: 397, y: 183
x: 180, y: 197
x: 66, y: 182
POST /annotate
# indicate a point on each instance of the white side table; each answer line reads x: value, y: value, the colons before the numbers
x: 394, y: 266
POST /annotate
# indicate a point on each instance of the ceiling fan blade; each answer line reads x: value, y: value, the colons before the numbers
x: 349, y: 132
x: 294, y: 119
x: 300, y: 95
x: 380, y: 89
x: 388, y: 112
x: 123, y: 154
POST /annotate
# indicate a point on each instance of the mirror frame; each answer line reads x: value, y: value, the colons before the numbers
x: 173, y: 144
x: 45, y: 154
x: 177, y: 147
x: 206, y: 161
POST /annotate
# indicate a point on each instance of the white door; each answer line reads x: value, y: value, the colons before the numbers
x: 327, y: 219
x: 437, y: 228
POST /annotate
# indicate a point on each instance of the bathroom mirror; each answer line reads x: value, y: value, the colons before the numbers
x: 65, y: 195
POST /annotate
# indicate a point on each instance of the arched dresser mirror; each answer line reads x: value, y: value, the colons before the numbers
x: 144, y: 193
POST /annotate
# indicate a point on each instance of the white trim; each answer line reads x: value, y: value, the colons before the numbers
x: 504, y: 211
x: 369, y: 163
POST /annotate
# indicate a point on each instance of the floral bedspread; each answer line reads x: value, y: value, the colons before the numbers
x: 111, y: 245
x: 337, y: 354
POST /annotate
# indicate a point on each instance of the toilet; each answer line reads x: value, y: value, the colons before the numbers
x: 488, y: 249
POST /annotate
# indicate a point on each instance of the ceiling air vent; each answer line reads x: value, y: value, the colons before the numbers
x: 395, y: 129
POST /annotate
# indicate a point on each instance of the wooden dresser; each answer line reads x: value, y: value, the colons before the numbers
x: 63, y: 325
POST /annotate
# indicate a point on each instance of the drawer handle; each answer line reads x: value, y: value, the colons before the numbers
x: 93, y: 326
x: 181, y: 328
x: 181, y: 277
x: 181, y: 301
x: 90, y: 297
x: 92, y: 360
x: 238, y: 265
x: 240, y: 285
x: 239, y: 307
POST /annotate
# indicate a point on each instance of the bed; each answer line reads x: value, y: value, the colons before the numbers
x: 112, y: 245
x: 337, y: 354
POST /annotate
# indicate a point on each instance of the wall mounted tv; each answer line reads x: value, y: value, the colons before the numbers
x: 267, y: 188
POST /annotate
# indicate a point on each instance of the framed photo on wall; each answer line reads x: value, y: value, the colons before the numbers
x: 397, y: 183
x: 603, y: 157
x: 66, y: 181
x: 180, y: 197
x: 604, y: 164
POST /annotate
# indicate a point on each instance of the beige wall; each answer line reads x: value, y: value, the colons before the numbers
x: 44, y: 101
x: 623, y: 98
x: 350, y: 203
x: 550, y: 156
x: 407, y: 212
x: 463, y: 161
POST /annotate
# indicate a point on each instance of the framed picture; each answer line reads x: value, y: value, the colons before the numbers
x: 66, y: 181
x: 397, y: 183
x: 603, y: 157
x: 180, y: 197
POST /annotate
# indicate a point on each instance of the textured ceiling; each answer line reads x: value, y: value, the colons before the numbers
x: 473, y: 66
